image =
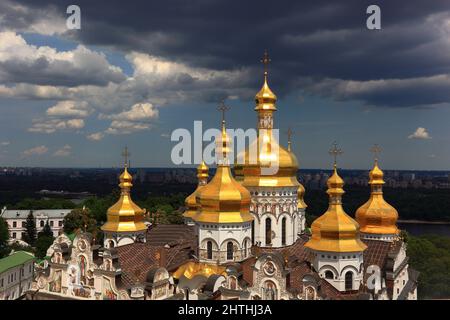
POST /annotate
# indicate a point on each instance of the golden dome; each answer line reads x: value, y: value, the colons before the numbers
x: 191, y: 269
x: 335, y: 230
x: 273, y: 166
x: 265, y: 163
x: 300, y: 197
x: 125, y: 215
x: 265, y: 99
x: 223, y: 199
x: 191, y: 201
x: 377, y: 216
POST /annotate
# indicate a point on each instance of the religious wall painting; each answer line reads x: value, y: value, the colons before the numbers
x: 269, y: 290
x: 57, y: 258
x: 82, y: 245
x: 233, y: 283
x: 55, y: 284
x: 269, y: 268
x: 107, y: 290
x: 82, y: 263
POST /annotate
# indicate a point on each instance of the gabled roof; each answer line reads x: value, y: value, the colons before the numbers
x: 23, y: 214
x: 15, y: 259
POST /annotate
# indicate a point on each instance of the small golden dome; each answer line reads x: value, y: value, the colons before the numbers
x: 377, y: 216
x: 202, y: 171
x: 335, y: 230
x: 300, y: 197
x: 223, y: 199
x: 191, y: 269
x: 191, y: 201
x: 265, y: 99
x: 376, y: 175
x: 125, y: 215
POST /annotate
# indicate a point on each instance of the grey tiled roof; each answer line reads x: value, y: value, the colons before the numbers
x: 23, y: 214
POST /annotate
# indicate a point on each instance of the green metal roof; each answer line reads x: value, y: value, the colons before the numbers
x: 15, y: 259
x: 71, y: 236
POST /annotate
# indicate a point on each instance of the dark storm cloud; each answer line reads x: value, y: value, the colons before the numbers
x: 322, y: 44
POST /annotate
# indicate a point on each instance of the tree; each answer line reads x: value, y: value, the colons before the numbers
x: 30, y: 232
x: 44, y: 241
x: 4, y: 237
x: 80, y: 219
x: 47, y: 231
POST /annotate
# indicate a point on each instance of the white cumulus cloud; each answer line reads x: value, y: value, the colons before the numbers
x: 36, y: 151
x: 52, y: 125
x: 68, y: 108
x: 97, y: 136
x: 420, y: 133
x: 65, y: 151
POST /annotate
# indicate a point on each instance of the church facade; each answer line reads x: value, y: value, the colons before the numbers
x: 244, y: 238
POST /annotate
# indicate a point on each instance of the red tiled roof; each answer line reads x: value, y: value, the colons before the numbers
x: 137, y: 259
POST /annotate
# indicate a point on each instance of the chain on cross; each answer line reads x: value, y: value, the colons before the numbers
x: 376, y: 150
x: 335, y: 152
x: 126, y: 155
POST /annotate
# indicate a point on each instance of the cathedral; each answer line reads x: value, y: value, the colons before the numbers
x: 244, y: 238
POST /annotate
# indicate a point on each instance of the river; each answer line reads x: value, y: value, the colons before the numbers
x: 418, y: 229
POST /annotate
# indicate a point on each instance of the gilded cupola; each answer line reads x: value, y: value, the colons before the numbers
x: 191, y: 201
x: 125, y: 215
x: 265, y: 162
x: 377, y: 216
x: 265, y: 98
x: 223, y: 199
x: 335, y: 230
x: 300, y: 197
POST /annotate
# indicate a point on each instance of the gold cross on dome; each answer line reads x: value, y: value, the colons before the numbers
x: 126, y: 156
x: 376, y: 150
x: 335, y: 152
x: 266, y: 60
x: 223, y: 108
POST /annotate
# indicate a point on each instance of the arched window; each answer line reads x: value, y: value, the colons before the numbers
x: 42, y: 223
x: 111, y: 244
x: 283, y: 231
x: 229, y: 250
x: 209, y: 250
x: 329, y: 274
x: 253, y: 231
x: 349, y: 281
x: 268, y: 231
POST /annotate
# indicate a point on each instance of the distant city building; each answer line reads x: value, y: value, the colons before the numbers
x: 16, y: 275
x: 16, y: 220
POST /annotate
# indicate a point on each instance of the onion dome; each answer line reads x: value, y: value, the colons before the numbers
x: 300, y: 197
x: 265, y: 99
x: 273, y: 166
x: 125, y: 215
x: 265, y: 162
x: 223, y: 199
x: 191, y: 201
x: 335, y: 230
x: 377, y: 216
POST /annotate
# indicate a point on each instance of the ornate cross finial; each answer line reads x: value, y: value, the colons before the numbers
x: 376, y: 149
x: 266, y: 60
x: 223, y: 108
x: 126, y: 156
x: 335, y: 152
x: 289, y: 133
